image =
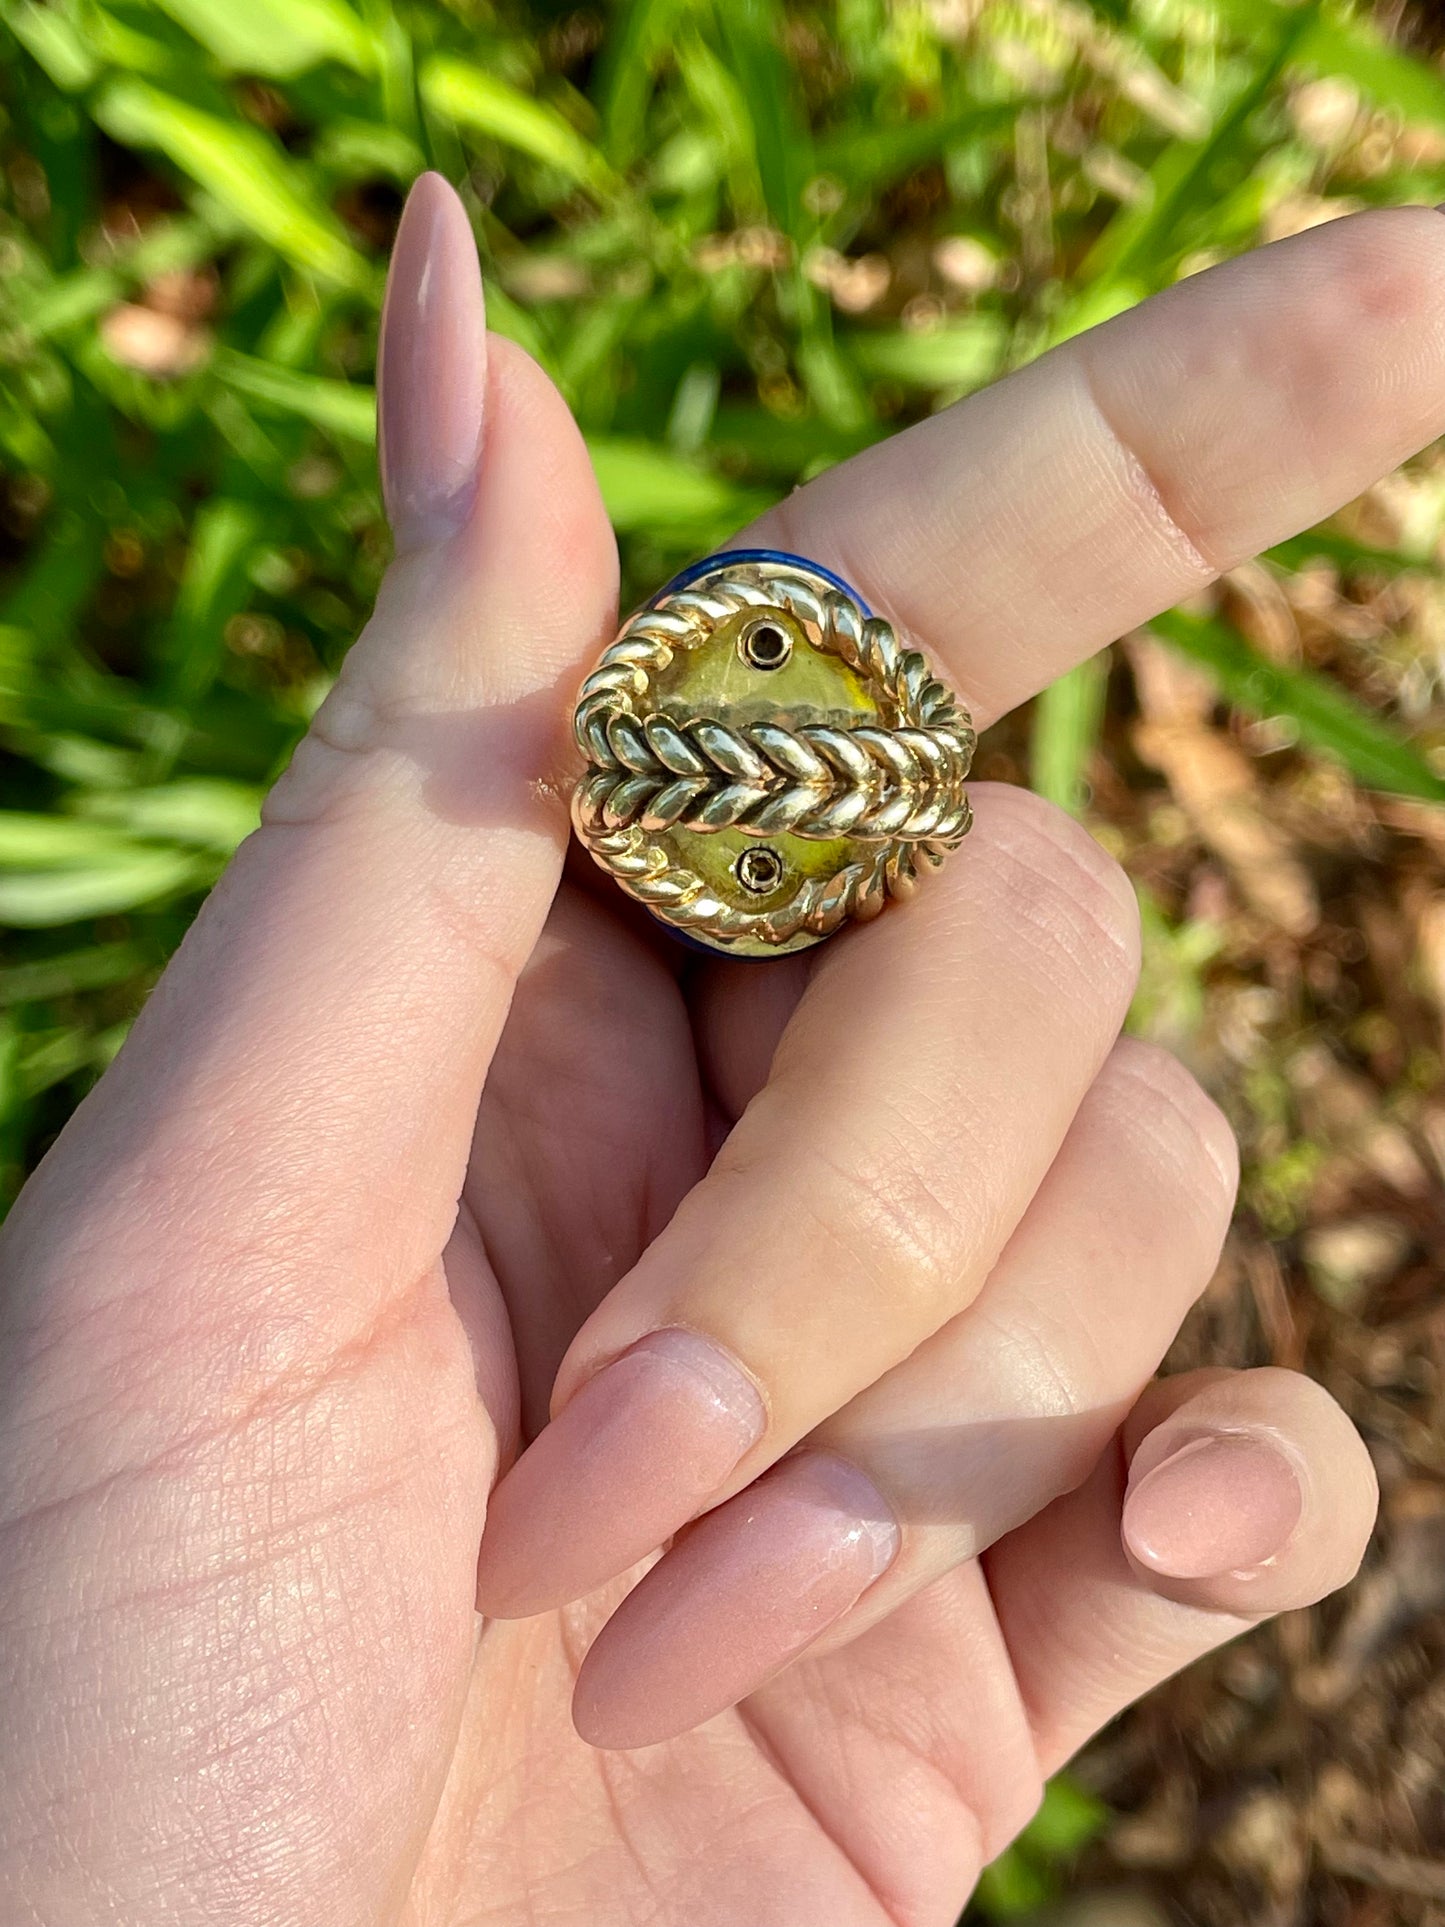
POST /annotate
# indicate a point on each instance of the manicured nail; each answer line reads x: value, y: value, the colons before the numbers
x: 633, y: 1455
x: 431, y: 373
x: 1217, y: 1505
x: 740, y: 1595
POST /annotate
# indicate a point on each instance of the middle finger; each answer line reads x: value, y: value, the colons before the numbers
x: 833, y: 1233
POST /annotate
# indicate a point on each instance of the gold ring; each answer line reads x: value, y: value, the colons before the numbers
x: 766, y: 758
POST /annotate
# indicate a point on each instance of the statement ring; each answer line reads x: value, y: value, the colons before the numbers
x: 766, y: 758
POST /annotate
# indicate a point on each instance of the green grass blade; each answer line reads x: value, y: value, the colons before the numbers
x: 478, y: 102
x: 123, y: 880
x: 204, y: 812
x: 341, y: 408
x: 782, y: 146
x: 962, y: 354
x: 42, y: 979
x: 1352, y: 49
x: 53, y: 41
x: 1141, y: 243
x: 1347, y: 554
x: 214, y: 587
x: 645, y: 487
x: 867, y: 157
x: 32, y: 840
x: 48, y: 1060
x: 40, y: 608
x: 1066, y: 724
x: 277, y: 38
x: 1327, y: 718
x: 628, y: 70
x: 243, y: 169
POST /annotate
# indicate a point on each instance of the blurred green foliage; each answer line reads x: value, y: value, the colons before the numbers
x: 745, y: 238
x: 1027, y: 1875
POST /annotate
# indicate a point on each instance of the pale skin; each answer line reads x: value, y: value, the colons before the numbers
x: 291, y: 1295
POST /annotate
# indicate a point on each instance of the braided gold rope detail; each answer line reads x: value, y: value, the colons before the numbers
x: 815, y: 781
x: 899, y: 781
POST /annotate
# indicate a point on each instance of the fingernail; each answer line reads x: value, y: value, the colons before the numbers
x: 1221, y: 1504
x: 633, y: 1455
x: 740, y: 1596
x: 431, y: 372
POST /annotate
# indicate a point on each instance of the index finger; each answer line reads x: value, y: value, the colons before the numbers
x: 1023, y: 529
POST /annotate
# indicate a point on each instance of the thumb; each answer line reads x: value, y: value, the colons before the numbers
x: 309, y: 1067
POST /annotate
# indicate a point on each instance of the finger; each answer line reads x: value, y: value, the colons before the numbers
x: 1007, y: 1406
x: 1234, y: 1495
x: 918, y: 1097
x: 1021, y: 530
x: 309, y: 1066
x: 1117, y: 474
x: 920, y: 1709
x: 1223, y: 1508
x: 591, y: 1129
x: 739, y: 1014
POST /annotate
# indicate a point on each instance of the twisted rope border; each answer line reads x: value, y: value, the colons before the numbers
x: 900, y: 783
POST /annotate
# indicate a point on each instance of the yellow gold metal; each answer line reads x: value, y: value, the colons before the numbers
x: 766, y: 759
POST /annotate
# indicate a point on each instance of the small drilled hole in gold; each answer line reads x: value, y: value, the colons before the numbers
x: 765, y: 646
x: 759, y: 870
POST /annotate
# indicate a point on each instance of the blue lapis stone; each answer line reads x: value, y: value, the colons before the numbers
x: 727, y: 557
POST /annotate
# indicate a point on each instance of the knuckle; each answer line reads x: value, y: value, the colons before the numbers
x: 1149, y: 482
x: 1060, y: 881
x: 350, y: 750
x: 1051, y: 1352
x: 1377, y: 281
x: 907, y: 1237
x: 1316, y: 328
x: 1360, y: 289
x: 384, y: 736
x: 1386, y: 271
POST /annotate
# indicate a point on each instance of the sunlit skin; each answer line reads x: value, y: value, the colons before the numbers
x: 290, y: 1295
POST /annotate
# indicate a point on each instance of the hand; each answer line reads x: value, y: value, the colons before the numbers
x: 283, y: 1302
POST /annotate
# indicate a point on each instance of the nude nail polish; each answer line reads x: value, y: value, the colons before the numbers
x: 431, y: 368
x: 635, y: 1453
x: 741, y: 1595
x: 1221, y: 1504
